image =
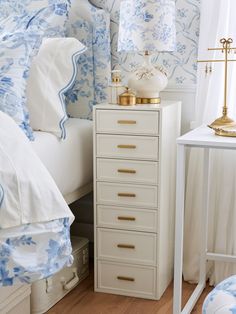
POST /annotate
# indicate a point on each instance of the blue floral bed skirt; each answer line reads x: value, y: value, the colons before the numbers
x: 34, y: 251
x: 222, y: 300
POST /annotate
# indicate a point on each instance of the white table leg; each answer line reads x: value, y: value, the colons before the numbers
x: 204, y: 218
x: 179, y: 234
x: 179, y: 228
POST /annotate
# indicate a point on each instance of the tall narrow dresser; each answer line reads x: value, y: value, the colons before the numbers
x: 134, y: 201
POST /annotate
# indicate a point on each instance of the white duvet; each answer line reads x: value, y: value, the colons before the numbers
x: 29, y: 194
x: 34, y: 218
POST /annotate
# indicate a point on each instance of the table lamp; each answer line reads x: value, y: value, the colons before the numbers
x: 147, y: 26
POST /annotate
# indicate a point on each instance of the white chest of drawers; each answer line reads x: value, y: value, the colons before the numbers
x: 134, y: 201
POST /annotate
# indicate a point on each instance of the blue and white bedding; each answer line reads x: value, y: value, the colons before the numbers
x: 34, y: 217
x: 34, y: 251
x: 32, y: 20
x: 20, y: 39
x: 222, y: 300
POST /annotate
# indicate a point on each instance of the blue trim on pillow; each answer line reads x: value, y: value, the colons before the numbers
x: 1, y: 195
x: 66, y: 88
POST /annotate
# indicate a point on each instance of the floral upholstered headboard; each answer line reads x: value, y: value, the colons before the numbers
x: 91, y: 26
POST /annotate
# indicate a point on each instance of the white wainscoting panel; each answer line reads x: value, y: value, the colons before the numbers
x: 186, y: 94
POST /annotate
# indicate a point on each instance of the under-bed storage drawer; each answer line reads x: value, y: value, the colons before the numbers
x: 127, y: 122
x: 124, y: 279
x: 127, y: 218
x: 129, y: 147
x: 127, y: 195
x: 127, y: 246
x: 145, y: 172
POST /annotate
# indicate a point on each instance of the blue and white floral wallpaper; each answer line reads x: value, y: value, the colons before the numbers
x: 181, y: 64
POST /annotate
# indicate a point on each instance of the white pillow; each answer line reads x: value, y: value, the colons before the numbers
x: 52, y: 74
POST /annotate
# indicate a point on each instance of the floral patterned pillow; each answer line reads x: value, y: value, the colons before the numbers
x: 23, y: 7
x: 94, y: 67
x: 80, y: 98
x: 15, y: 54
x: 17, y: 47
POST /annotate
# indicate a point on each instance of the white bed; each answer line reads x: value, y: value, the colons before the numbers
x: 69, y: 161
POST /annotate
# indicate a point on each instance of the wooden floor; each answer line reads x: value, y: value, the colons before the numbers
x: 83, y: 300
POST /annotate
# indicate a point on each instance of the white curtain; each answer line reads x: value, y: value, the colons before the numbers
x: 218, y: 20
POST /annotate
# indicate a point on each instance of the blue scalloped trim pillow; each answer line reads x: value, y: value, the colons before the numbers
x: 19, y: 42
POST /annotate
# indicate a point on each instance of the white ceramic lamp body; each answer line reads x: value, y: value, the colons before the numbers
x: 147, y: 26
x: 148, y: 82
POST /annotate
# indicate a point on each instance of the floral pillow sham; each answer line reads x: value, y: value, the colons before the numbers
x: 94, y: 67
x: 17, y: 47
x: 22, y: 7
x: 15, y: 54
x: 80, y: 98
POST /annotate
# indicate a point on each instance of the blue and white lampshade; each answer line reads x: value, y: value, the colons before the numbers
x: 147, y: 25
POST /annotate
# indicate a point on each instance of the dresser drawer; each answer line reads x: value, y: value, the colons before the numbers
x: 127, y: 246
x: 123, y: 279
x: 145, y: 172
x: 127, y: 122
x: 127, y: 195
x: 127, y: 218
x: 130, y: 147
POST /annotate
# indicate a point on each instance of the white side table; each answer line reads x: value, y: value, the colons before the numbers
x: 202, y: 137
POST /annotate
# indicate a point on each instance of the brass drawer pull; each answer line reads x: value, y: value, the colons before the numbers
x: 126, y: 122
x: 126, y: 194
x: 125, y: 278
x: 126, y: 246
x: 126, y: 171
x: 126, y: 218
x: 126, y: 146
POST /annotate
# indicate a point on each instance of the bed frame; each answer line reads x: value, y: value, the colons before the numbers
x: 17, y: 299
x: 76, y: 195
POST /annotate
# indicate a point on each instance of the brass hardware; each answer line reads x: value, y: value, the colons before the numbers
x: 224, y: 120
x: 126, y: 171
x: 148, y: 101
x: 126, y: 194
x: 125, y: 278
x: 126, y: 146
x: 126, y: 246
x: 126, y: 122
x: 126, y: 218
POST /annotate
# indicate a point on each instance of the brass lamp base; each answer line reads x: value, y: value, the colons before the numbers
x: 222, y: 121
x: 227, y: 131
x: 224, y: 126
x: 148, y: 101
